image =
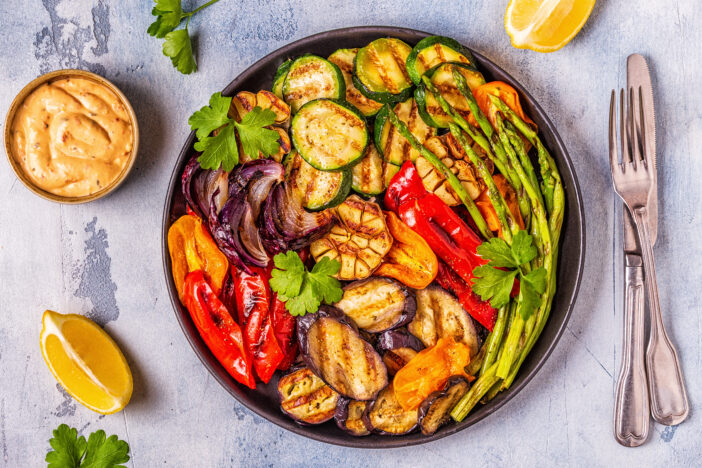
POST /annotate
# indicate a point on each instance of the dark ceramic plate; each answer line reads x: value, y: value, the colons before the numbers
x: 264, y: 400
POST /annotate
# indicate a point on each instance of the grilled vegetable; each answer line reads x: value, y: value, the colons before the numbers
x: 245, y: 101
x: 279, y: 78
x: 389, y: 171
x: 333, y: 349
x: 349, y: 417
x: 398, y: 338
x: 359, y: 240
x: 320, y: 189
x: 441, y: 77
x: 432, y: 51
x: 311, y: 77
x: 434, y: 181
x: 379, y: 70
x: 440, y: 315
x: 343, y: 58
x: 397, y: 359
x: 306, y: 398
x: 435, y: 410
x: 330, y: 135
x: 386, y: 416
x: 368, y: 174
x: 377, y: 304
x: 391, y: 145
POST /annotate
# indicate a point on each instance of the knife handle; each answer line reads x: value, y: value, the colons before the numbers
x: 631, y: 411
x: 669, y: 404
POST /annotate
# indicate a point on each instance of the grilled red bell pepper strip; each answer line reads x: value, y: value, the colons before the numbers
x: 217, y: 328
x: 284, y: 329
x: 253, y: 301
x: 480, y: 310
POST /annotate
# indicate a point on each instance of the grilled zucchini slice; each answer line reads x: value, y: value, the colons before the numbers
x: 320, y: 189
x: 442, y: 77
x: 331, y: 135
x: 367, y: 175
x: 432, y: 51
x: 311, y: 77
x: 359, y: 240
x: 306, y: 398
x: 379, y: 70
x: 343, y: 58
x: 393, y: 146
x: 389, y: 172
x: 279, y: 78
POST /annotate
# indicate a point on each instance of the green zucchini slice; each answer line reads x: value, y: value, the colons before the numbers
x: 367, y: 175
x: 389, y: 171
x: 433, y: 50
x: 311, y: 77
x: 320, y: 189
x: 391, y: 145
x: 379, y: 71
x: 329, y: 134
x: 343, y: 58
x: 442, y: 77
x: 279, y: 78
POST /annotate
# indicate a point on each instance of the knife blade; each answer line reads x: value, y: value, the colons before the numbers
x: 638, y: 79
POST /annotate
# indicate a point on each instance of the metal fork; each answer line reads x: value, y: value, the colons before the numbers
x: 633, y: 181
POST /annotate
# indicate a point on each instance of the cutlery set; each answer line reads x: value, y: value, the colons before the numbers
x: 652, y: 384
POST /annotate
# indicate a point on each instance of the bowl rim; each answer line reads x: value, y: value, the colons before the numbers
x: 31, y: 87
x: 387, y: 442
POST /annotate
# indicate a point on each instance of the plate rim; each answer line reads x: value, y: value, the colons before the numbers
x: 388, y: 441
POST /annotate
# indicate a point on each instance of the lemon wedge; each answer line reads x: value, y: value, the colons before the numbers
x: 86, y: 361
x: 545, y: 25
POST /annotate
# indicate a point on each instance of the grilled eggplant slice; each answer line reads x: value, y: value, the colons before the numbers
x: 334, y: 350
x: 311, y: 77
x: 398, y: 338
x: 386, y: 416
x: 331, y: 135
x: 435, y: 410
x: 393, y: 146
x: 306, y: 398
x: 377, y: 304
x: 379, y: 70
x: 343, y: 58
x: 397, y: 358
x: 320, y: 189
x: 349, y: 417
x: 359, y: 240
x: 440, y: 315
x: 434, y: 181
x: 432, y: 51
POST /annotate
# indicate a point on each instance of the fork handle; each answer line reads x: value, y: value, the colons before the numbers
x: 669, y: 404
x: 631, y: 411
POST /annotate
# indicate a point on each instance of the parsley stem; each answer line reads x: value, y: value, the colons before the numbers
x: 201, y: 7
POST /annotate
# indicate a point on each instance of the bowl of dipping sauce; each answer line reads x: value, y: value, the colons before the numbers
x: 71, y: 136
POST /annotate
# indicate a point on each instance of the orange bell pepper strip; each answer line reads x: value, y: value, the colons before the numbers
x: 505, y: 92
x: 410, y: 259
x: 429, y: 370
x: 191, y: 249
x: 486, y: 209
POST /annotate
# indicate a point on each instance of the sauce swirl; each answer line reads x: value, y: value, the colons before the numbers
x: 72, y: 137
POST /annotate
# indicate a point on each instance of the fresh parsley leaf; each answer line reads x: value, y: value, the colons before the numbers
x: 219, y: 150
x: 254, y: 137
x: 168, y: 15
x: 537, y: 279
x: 179, y: 48
x: 211, y: 117
x: 493, y: 284
x: 523, y: 250
x: 288, y: 274
x: 303, y: 291
x: 529, y: 299
x: 498, y: 253
x: 71, y: 451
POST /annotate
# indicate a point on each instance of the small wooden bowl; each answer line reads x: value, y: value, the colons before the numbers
x: 56, y: 75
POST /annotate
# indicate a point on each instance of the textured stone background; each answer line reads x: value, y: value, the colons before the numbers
x: 103, y: 259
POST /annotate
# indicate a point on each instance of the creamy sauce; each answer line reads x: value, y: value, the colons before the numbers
x: 72, y: 137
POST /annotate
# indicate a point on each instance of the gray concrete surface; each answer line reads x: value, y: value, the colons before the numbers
x: 103, y: 259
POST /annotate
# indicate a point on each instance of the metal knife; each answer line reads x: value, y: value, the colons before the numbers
x: 668, y: 398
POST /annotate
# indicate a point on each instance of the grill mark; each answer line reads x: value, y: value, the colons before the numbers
x: 375, y: 59
x: 440, y: 52
x: 399, y: 61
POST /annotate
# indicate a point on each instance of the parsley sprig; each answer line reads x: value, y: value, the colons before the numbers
x: 303, y: 291
x: 169, y: 14
x: 71, y: 451
x: 494, y: 281
x: 222, y: 149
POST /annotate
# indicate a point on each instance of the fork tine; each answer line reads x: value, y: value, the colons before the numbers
x: 613, y: 156
x: 624, y: 130
x: 632, y: 128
